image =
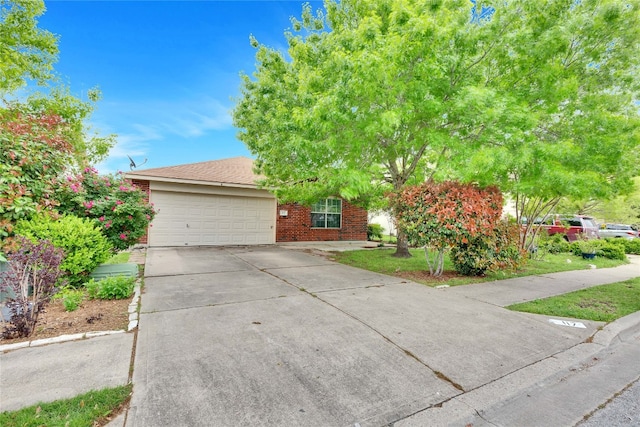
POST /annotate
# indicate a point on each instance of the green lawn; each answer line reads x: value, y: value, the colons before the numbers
x: 85, y: 410
x: 604, y: 303
x: 381, y: 261
x: 119, y: 258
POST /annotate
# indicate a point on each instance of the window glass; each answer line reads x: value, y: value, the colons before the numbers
x: 318, y: 220
x: 334, y: 206
x: 326, y: 213
x: 333, y: 221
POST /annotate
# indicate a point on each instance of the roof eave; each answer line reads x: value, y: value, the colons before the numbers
x: 189, y: 181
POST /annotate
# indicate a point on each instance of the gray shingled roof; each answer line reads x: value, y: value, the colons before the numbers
x: 236, y: 170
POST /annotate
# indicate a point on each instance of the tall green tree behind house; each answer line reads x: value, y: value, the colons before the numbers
x: 374, y: 95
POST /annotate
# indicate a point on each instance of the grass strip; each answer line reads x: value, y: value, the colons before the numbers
x: 604, y: 303
x: 381, y: 261
x: 85, y: 410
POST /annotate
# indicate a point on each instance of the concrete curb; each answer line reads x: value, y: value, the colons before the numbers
x: 471, y: 408
x: 618, y: 329
x: 133, y: 323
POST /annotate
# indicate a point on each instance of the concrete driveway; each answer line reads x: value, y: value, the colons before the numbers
x: 270, y: 336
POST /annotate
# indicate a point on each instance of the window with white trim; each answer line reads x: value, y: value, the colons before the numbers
x: 326, y: 213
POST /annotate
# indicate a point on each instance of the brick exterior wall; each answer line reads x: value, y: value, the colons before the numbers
x: 296, y: 226
x: 144, y: 186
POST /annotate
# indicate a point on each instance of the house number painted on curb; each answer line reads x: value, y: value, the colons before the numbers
x: 568, y: 323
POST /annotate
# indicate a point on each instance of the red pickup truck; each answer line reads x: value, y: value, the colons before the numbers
x: 571, y: 227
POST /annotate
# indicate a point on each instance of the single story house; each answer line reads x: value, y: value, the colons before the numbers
x: 218, y: 203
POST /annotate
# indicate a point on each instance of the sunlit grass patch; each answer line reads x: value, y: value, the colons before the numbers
x: 89, y: 409
x: 603, y: 303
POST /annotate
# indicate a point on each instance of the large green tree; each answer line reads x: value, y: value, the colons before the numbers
x: 373, y: 95
x: 575, y: 75
x: 26, y: 51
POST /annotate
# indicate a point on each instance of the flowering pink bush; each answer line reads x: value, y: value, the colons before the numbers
x: 120, y: 209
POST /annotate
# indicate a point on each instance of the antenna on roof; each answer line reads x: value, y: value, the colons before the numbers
x: 132, y: 164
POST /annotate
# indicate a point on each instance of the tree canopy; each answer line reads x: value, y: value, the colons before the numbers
x: 371, y: 95
x: 27, y: 56
x: 26, y: 51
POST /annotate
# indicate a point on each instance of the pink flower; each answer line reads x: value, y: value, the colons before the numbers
x: 101, y: 219
x: 123, y: 236
x: 119, y: 202
x: 130, y: 217
x: 88, y: 204
x: 108, y: 224
x: 124, y: 188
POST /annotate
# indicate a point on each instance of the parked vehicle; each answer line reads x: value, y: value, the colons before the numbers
x: 619, y: 231
x: 572, y: 227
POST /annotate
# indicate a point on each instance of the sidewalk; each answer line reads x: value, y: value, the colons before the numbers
x: 511, y: 291
x: 66, y: 366
x: 60, y: 370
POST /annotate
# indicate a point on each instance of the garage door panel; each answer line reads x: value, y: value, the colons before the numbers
x: 196, y: 219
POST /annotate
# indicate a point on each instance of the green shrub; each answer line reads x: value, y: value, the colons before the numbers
x: 114, y: 287
x: 554, y: 244
x: 71, y: 297
x: 508, y: 254
x: 473, y: 258
x: 489, y: 252
x: 374, y: 231
x: 85, y: 247
x: 631, y: 246
x: 609, y: 248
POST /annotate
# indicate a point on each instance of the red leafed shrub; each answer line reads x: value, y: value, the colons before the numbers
x: 444, y: 214
x: 33, y: 154
x: 453, y: 215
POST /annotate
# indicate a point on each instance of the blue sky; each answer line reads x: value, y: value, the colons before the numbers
x: 168, y: 70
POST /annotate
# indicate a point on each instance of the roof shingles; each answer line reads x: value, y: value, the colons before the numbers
x: 236, y: 170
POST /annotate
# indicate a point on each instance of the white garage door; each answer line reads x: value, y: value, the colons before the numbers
x: 188, y: 219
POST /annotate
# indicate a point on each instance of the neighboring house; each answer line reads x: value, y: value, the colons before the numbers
x: 218, y: 203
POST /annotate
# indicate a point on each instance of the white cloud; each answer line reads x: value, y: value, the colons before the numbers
x: 135, y: 142
x: 157, y: 119
x: 194, y: 119
x: 138, y: 125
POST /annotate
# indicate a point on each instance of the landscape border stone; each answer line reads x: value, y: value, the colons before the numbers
x: 133, y: 323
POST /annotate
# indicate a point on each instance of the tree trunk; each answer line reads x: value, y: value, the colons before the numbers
x: 402, y: 247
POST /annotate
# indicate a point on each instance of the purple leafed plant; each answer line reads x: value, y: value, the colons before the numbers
x: 30, y: 281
